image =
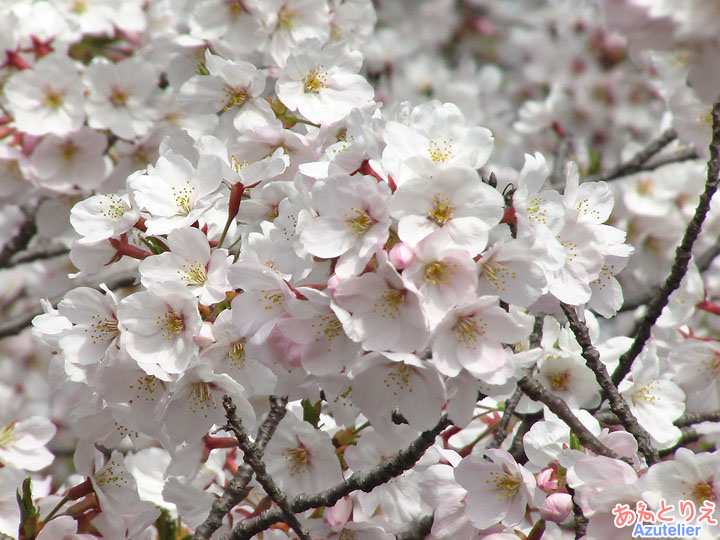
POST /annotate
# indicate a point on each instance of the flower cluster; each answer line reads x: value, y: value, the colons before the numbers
x: 317, y: 221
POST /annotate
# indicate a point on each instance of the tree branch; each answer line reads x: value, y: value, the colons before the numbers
x: 403, y: 461
x: 235, y: 490
x: 689, y: 419
x: 20, y: 241
x: 538, y: 392
x: 512, y: 402
x: 418, y: 531
x: 638, y: 160
x: 251, y: 458
x: 618, y: 405
x: 688, y: 436
x: 17, y: 324
x: 682, y: 256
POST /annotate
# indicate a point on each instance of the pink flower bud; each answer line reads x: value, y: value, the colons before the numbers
x: 205, y: 337
x: 401, y: 255
x: 336, y: 516
x: 545, y: 480
x: 556, y: 507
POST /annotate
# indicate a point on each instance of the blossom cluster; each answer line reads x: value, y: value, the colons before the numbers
x: 395, y: 217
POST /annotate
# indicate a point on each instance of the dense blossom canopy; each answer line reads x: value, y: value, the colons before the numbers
x: 356, y: 270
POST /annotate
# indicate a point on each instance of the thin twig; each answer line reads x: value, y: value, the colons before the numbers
x: 581, y: 521
x: 33, y: 256
x: 618, y: 405
x: 17, y: 324
x: 689, y: 419
x: 512, y: 402
x: 635, y: 164
x: 251, y: 458
x: 516, y: 450
x: 235, y: 490
x: 20, y: 241
x: 682, y: 256
x: 403, y: 461
x: 689, y: 435
x: 538, y: 392
x: 560, y: 155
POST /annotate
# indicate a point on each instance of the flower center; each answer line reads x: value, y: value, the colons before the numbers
x: 437, y: 272
x: 314, y: 81
x: 193, y: 273
x: 236, y: 352
x: 53, y: 97
x: 358, y: 221
x: 7, y: 435
x: 298, y: 459
x: 119, y: 96
x: 441, y: 211
x: 170, y: 324
x: 116, y: 209
x: 184, y: 199
x: 559, y: 381
x: 506, y: 485
x: 68, y: 151
x: 440, y: 150
x: 467, y: 331
x: 234, y: 97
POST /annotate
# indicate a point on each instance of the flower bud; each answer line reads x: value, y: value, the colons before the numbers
x: 401, y: 255
x: 556, y: 507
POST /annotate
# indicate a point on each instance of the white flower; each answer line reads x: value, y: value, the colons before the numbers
x: 436, y: 137
x: 385, y: 381
x: 174, y: 192
x: 103, y: 216
x: 385, y: 315
x: 22, y: 443
x: 160, y: 325
x: 195, y: 404
x: 499, y: 490
x: 471, y: 337
x: 655, y: 401
x: 455, y: 200
x: 443, y: 274
x: 75, y: 161
x: 301, y: 459
x: 95, y: 325
x: 323, y: 84
x: 119, y: 96
x: 48, y: 98
x: 353, y: 221
x: 190, y: 263
x: 229, y: 86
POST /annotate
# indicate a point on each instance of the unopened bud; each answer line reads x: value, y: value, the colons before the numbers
x: 556, y: 507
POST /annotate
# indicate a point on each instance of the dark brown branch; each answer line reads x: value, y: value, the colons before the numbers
x: 638, y: 160
x: 517, y: 450
x: 538, y: 392
x: 33, y: 256
x: 688, y: 419
x: 235, y: 490
x: 617, y: 404
x: 512, y: 402
x: 581, y: 521
x: 20, y: 241
x: 682, y: 256
x: 403, y: 461
x: 418, y: 531
x: 689, y: 435
x: 252, y: 458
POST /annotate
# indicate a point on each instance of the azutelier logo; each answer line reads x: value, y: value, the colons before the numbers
x: 663, y: 523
